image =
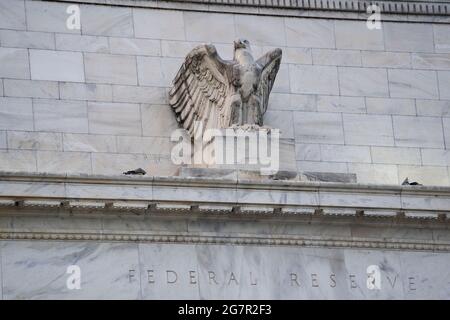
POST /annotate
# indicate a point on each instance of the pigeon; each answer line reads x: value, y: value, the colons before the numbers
x: 138, y: 171
x: 407, y: 183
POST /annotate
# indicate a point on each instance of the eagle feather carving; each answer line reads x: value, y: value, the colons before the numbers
x: 220, y: 93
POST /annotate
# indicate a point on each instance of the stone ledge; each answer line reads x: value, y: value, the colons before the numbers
x: 272, y: 194
x: 215, y: 211
x: 413, y: 11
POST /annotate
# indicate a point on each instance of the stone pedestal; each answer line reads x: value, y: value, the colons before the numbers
x: 261, y: 151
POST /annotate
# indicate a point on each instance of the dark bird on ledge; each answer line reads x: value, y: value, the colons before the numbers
x: 407, y: 183
x: 138, y: 171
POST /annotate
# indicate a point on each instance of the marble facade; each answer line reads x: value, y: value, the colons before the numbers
x: 359, y: 110
x: 346, y: 96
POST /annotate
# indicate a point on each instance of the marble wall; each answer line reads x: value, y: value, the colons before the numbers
x: 371, y: 102
x: 38, y: 270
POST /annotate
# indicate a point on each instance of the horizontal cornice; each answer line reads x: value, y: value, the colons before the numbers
x: 284, y: 195
x: 135, y: 202
x: 404, y: 10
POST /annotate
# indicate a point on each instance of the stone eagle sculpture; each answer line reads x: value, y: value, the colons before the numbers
x: 221, y: 93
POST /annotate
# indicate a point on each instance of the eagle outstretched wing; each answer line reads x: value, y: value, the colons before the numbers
x: 200, y: 89
x: 270, y: 64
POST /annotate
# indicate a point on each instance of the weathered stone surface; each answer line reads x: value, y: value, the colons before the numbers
x: 341, y: 104
x: 438, y: 108
x: 63, y: 162
x: 158, y: 24
x: 413, y: 84
x: 270, y: 32
x: 386, y: 59
x: 150, y: 71
x: 437, y: 176
x: 85, y: 91
x: 418, y: 132
x: 34, y: 140
x: 293, y: 102
x: 318, y: 127
x: 444, y: 84
x: 322, y: 166
x: 332, y: 57
x: 176, y: 49
x: 60, y: 116
x: 83, y: 43
x: 144, y: 145
x: 109, y: 21
x: 412, y: 37
x: 26, y: 39
x: 212, y: 173
x: 31, y: 89
x: 435, y: 157
x: 330, y: 66
x: 123, y: 118
x: 116, y: 163
x: 363, y: 82
x: 141, y: 47
x: 446, y: 127
x: 92, y: 258
x: 139, y: 94
x: 396, y: 155
x: 330, y: 177
x: 18, y: 160
x: 14, y: 64
x: 16, y: 114
x: 113, y: 69
x: 50, y: 17
x: 209, y: 27
x: 441, y: 37
x: 314, y: 33
x: 345, y: 153
x: 3, y: 140
x: 375, y: 130
x: 295, y: 55
x: 310, y: 152
x: 88, y: 142
x: 56, y: 65
x: 282, y: 120
x: 313, y: 79
x: 390, y: 106
x: 374, y: 173
x: 12, y: 14
x: 431, y: 61
x: 356, y: 35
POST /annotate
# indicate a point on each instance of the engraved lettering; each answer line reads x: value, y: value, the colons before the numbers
x: 192, y: 277
x: 294, y: 279
x: 212, y: 276
x: 171, y: 276
x: 131, y: 274
x: 353, y: 284
x: 411, y: 283
x: 314, y: 282
x: 233, y: 278
x: 333, y: 280
x: 150, y: 276
x: 392, y: 282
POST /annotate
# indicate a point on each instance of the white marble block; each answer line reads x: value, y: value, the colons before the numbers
x: 255, y: 150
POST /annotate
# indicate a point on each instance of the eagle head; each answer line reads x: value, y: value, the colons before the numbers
x: 241, y: 44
